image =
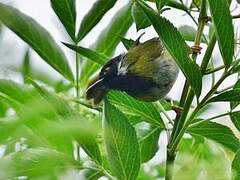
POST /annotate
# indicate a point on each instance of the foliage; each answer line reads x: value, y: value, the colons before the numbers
x: 49, y: 133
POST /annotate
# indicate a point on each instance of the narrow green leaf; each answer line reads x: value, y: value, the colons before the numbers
x: 149, y: 144
x: 66, y: 12
x: 109, y: 38
x: 232, y: 95
x: 147, y: 111
x: 26, y: 66
x: 16, y: 91
x: 121, y: 143
x: 236, y: 166
x: 234, y: 104
x: 128, y: 43
x: 139, y: 17
x: 216, y: 132
x: 94, y: 15
x: 160, y: 4
x: 176, y: 46
x: 88, y: 53
x: 235, y: 118
x: 223, y: 22
x: 37, y: 37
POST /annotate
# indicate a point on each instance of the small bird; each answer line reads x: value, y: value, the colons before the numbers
x: 146, y: 72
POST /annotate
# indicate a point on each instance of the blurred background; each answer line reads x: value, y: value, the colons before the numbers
x: 12, y: 48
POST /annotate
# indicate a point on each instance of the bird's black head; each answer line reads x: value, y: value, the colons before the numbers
x: 110, y: 70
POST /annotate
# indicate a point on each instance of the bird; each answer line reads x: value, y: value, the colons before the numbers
x: 146, y: 72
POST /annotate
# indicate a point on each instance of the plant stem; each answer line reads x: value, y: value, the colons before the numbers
x: 77, y: 75
x: 169, y: 167
x: 194, y: 113
x: 210, y: 71
x: 214, y: 117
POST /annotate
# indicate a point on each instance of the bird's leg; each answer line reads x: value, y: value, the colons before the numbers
x: 196, y: 49
x: 178, y: 110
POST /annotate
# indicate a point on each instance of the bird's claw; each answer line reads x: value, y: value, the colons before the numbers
x: 196, y: 49
x: 178, y: 110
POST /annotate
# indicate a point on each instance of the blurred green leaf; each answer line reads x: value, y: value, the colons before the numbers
x: 38, y: 163
x: 139, y: 17
x: 216, y: 132
x: 37, y: 37
x: 109, y: 38
x: 231, y: 95
x: 236, y: 166
x: 160, y: 3
x: 188, y: 33
x: 176, y: 4
x: 88, y: 53
x: 16, y: 91
x: 176, y: 46
x: 128, y: 43
x: 145, y: 110
x: 223, y: 22
x: 26, y: 66
x: 66, y: 12
x: 121, y: 143
x: 149, y: 144
x: 94, y: 15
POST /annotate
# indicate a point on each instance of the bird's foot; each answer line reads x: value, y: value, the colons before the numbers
x: 196, y: 49
x: 178, y: 110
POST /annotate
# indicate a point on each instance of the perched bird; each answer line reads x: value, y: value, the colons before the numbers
x: 146, y: 72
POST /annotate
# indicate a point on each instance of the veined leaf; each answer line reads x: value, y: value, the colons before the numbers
x: 232, y: 103
x: 139, y: 17
x: 176, y: 46
x: 66, y: 12
x: 223, y: 22
x: 216, y: 132
x: 121, y: 143
x: 88, y: 53
x: 94, y: 15
x: 236, y: 166
x: 149, y: 143
x: 147, y: 111
x: 231, y: 95
x: 37, y: 37
x: 109, y: 38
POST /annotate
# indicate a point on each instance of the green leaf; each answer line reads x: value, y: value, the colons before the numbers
x: 231, y: 95
x: 139, y: 17
x: 94, y: 15
x: 26, y: 66
x: 235, y: 118
x: 149, y: 144
x: 37, y: 37
x: 121, y: 143
x: 236, y: 166
x: 109, y: 38
x: 16, y: 91
x: 88, y: 53
x: 223, y: 22
x: 66, y: 12
x: 37, y: 163
x: 128, y: 43
x: 188, y: 33
x: 160, y: 4
x: 232, y: 103
x: 216, y: 132
x: 146, y: 110
x: 176, y: 46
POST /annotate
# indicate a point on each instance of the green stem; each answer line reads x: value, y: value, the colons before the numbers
x: 77, y: 75
x: 210, y: 71
x: 195, y: 112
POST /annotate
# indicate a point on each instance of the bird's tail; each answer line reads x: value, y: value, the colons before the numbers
x: 96, y: 90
